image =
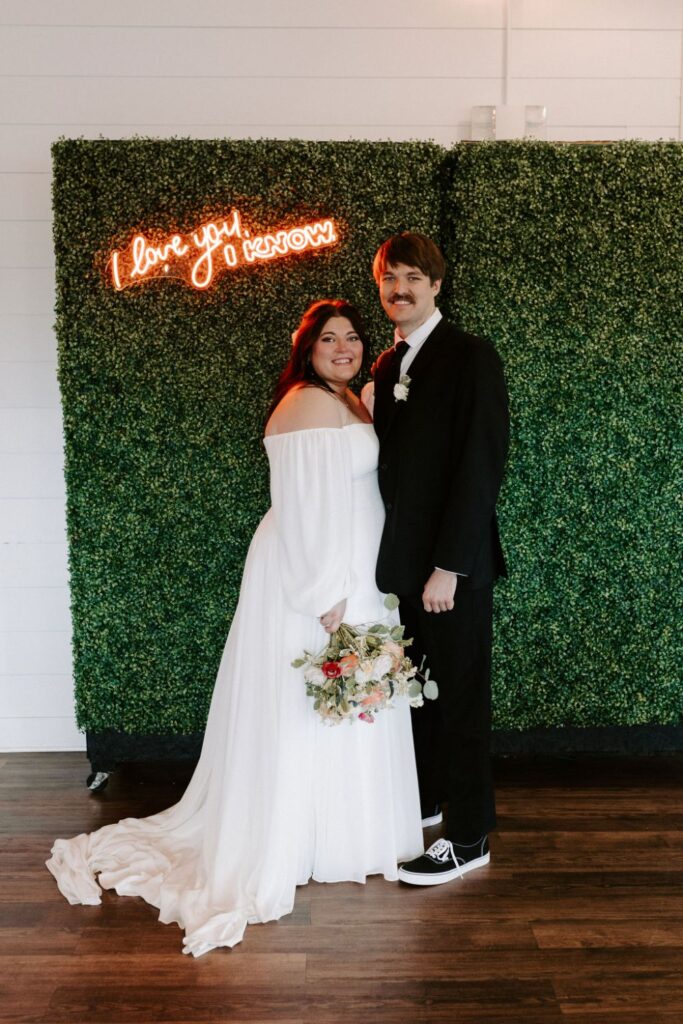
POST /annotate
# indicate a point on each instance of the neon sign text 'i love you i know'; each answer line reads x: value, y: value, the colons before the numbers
x: 214, y: 246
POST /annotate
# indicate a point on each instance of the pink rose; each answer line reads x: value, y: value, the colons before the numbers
x: 395, y: 651
x: 349, y: 664
x: 375, y: 697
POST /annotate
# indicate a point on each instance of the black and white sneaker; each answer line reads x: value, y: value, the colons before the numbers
x: 432, y: 815
x: 444, y: 861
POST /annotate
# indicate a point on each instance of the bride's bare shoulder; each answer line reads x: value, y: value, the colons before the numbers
x: 305, y: 408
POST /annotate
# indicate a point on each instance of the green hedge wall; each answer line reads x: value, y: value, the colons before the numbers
x: 165, y: 389
x: 568, y: 257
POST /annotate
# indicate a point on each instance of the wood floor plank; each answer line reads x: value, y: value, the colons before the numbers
x: 402, y: 937
x: 100, y: 1005
x: 512, y: 901
x: 621, y: 993
x: 628, y: 933
x: 621, y: 1016
x: 591, y: 851
x: 566, y: 965
x: 269, y: 969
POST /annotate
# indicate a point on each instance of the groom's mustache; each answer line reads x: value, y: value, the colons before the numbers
x: 397, y: 297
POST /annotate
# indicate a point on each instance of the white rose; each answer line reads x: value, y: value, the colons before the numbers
x: 315, y: 675
x: 383, y: 665
x: 364, y: 672
x: 400, y: 392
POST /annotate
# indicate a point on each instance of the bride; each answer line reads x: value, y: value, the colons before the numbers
x: 277, y: 797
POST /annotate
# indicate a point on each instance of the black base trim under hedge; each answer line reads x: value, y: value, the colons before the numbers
x: 108, y: 749
x: 608, y: 739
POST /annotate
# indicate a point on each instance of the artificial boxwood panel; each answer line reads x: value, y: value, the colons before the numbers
x: 165, y: 388
x: 568, y: 257
x: 571, y: 259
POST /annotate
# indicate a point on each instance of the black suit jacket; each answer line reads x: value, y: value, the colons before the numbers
x: 441, y: 459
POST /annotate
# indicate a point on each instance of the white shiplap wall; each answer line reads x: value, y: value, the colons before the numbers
x: 321, y: 69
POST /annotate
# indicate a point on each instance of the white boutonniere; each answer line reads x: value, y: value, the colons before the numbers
x: 402, y: 388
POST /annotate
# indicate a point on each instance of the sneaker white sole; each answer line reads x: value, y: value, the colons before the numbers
x: 435, y: 819
x: 414, y: 878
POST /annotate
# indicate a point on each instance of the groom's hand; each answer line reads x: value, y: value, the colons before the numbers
x: 439, y: 591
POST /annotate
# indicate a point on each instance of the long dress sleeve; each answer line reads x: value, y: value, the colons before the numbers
x: 311, y: 488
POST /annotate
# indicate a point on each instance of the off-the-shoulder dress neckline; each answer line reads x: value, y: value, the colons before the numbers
x: 312, y: 430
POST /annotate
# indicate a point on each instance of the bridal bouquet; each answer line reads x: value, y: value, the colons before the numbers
x: 361, y: 670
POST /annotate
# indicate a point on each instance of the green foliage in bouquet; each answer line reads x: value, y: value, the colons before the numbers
x: 570, y: 258
x: 165, y: 389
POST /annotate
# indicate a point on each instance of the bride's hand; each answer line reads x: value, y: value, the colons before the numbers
x: 332, y: 620
x: 367, y: 397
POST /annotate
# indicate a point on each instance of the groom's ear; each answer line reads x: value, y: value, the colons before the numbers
x: 436, y: 287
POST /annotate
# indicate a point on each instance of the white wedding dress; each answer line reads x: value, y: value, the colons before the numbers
x: 277, y: 797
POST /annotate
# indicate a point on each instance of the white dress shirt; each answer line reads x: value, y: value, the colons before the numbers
x: 416, y: 339
x: 415, y: 342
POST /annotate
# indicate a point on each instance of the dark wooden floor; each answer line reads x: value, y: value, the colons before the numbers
x: 578, y: 918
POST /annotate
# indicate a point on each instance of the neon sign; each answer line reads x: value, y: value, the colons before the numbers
x: 215, y: 246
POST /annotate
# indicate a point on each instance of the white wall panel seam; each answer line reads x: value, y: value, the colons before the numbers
x: 346, y: 28
x: 324, y: 78
x: 262, y: 78
x: 245, y: 124
x: 281, y: 28
x: 680, y: 108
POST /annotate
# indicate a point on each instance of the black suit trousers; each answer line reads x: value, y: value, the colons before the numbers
x: 453, y: 733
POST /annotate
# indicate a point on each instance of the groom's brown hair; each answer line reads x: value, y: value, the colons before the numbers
x: 414, y: 250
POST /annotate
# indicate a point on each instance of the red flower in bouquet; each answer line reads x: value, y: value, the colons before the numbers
x: 331, y: 669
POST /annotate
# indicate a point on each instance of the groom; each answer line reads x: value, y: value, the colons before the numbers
x: 441, y: 416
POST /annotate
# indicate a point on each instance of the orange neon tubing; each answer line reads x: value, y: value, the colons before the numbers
x: 194, y: 258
